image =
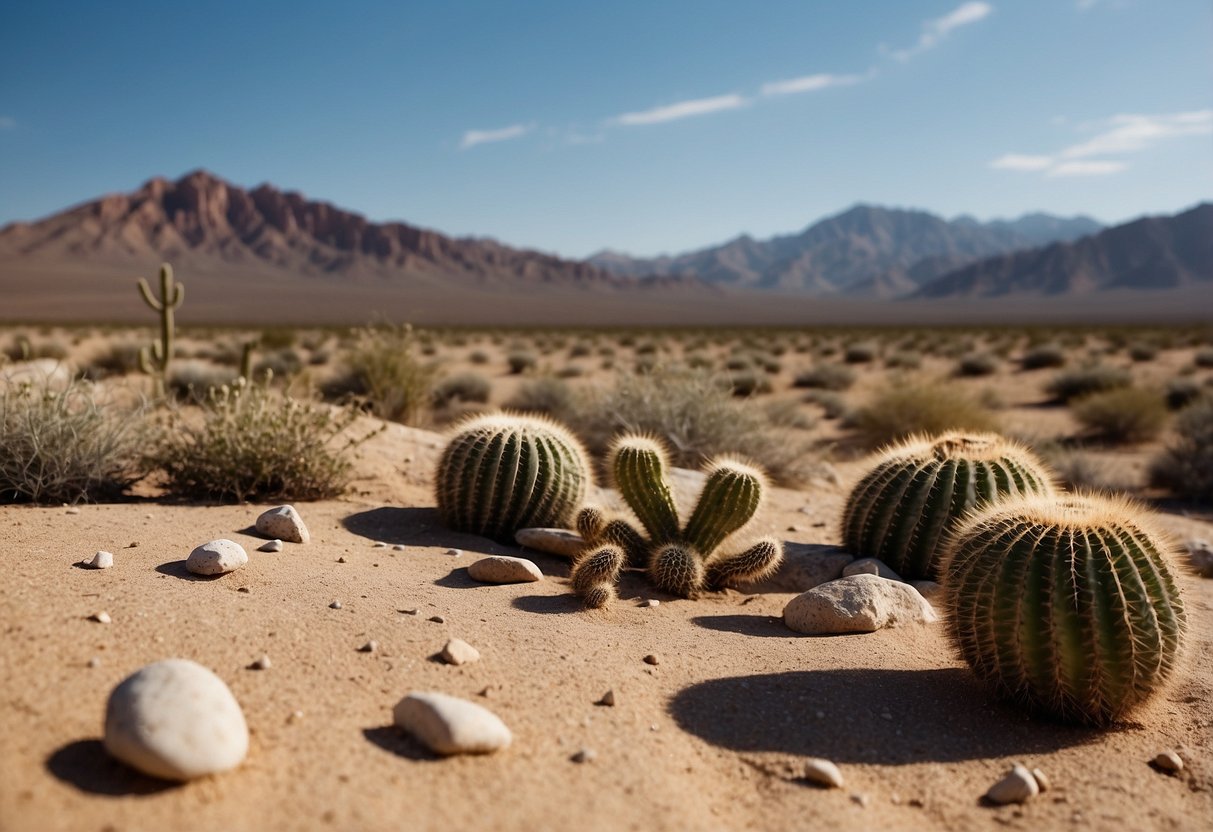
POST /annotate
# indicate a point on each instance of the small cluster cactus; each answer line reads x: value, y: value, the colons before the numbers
x: 155, y: 358
x: 1065, y: 604
x: 500, y: 473
x: 903, y: 508
x: 682, y: 559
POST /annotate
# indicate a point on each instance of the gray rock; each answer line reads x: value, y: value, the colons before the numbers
x: 271, y: 546
x: 501, y: 569
x: 1200, y: 556
x: 561, y: 542
x: 283, y: 523
x: 176, y: 720
x: 449, y: 725
x: 1169, y: 762
x: 457, y: 652
x: 102, y: 617
x: 857, y: 604
x: 101, y: 560
x: 804, y: 566
x: 870, y: 566
x: 823, y: 773
x: 216, y: 558
x: 1017, y: 786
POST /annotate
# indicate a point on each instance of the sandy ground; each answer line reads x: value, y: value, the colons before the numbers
x: 712, y: 738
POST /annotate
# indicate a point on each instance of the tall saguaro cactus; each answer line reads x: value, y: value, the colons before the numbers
x: 155, y: 358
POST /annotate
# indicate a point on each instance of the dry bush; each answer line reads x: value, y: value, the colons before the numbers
x: 383, y: 368
x: 520, y: 361
x: 903, y: 360
x: 1084, y: 381
x: 465, y: 387
x: 907, y: 406
x: 833, y: 405
x: 836, y: 377
x: 546, y: 395
x: 478, y: 357
x: 1143, y: 352
x: 862, y: 353
x: 1185, y: 468
x: 1203, y: 358
x: 1123, y: 415
x: 1182, y: 392
x: 118, y: 360
x: 1045, y: 355
x: 977, y: 364
x: 63, y: 446
x: 749, y: 382
x: 1078, y: 469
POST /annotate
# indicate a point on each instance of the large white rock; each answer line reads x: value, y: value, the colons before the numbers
x: 176, y: 720
x: 857, y: 604
x: 283, y: 523
x: 216, y: 558
x: 562, y: 542
x: 501, y: 569
x: 1018, y: 786
x: 449, y: 725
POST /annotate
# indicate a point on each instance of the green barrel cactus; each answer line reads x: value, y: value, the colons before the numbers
x: 500, y: 473
x: 1065, y: 604
x: 683, y: 559
x: 904, y: 507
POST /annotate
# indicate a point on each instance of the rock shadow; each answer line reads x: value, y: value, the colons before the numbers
x: 395, y: 741
x: 176, y: 569
x: 941, y: 715
x: 459, y: 579
x: 767, y: 626
x: 86, y: 765
x: 548, y: 604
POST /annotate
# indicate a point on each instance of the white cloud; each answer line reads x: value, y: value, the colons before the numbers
x: 1084, y: 5
x: 474, y: 137
x: 934, y: 31
x: 1086, y: 167
x: 7, y: 123
x: 1120, y: 135
x: 809, y: 83
x: 682, y: 109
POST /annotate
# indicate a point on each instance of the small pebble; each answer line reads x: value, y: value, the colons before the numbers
x: 1041, y: 779
x: 650, y: 602
x: 410, y: 611
x: 72, y: 511
x: 585, y: 755
x: 1169, y: 762
x: 341, y: 559
x: 216, y: 558
x: 101, y: 560
x: 272, y: 546
x: 455, y: 553
x: 284, y: 523
x: 652, y: 658
x: 370, y: 647
x: 399, y: 547
x: 244, y: 589
x: 501, y: 569
x: 449, y: 725
x: 100, y: 617
x: 608, y: 699
x: 457, y: 652
x: 861, y: 800
x: 1017, y: 786
x: 437, y: 619
x: 295, y: 716
x: 379, y: 544
x: 335, y: 605
x: 262, y: 663
x: 823, y: 773
x: 94, y: 662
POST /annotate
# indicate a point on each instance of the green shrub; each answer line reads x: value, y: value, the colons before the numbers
x: 749, y: 382
x: 520, y: 361
x: 977, y: 364
x: 63, y: 446
x: 118, y: 360
x: 1181, y: 392
x: 1046, y: 355
x: 256, y: 444
x: 278, y: 338
x: 1185, y: 467
x: 826, y: 377
x: 904, y: 407
x: 1143, y: 352
x: 465, y: 387
x: 544, y: 395
x: 1124, y: 415
x: 1083, y: 381
x: 860, y: 353
x: 478, y: 357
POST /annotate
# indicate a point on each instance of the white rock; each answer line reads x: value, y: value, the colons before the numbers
x: 560, y: 542
x: 500, y: 569
x: 585, y: 755
x: 216, y: 558
x: 823, y: 773
x: 1042, y: 780
x: 102, y: 617
x: 284, y: 523
x: 449, y: 725
x: 857, y: 604
x: 650, y: 602
x: 176, y: 720
x: 870, y: 566
x: 455, y: 553
x: 1018, y: 786
x: 101, y: 560
x: 262, y: 663
x: 930, y: 590
x: 272, y: 546
x: 1200, y: 556
x: 457, y: 651
x: 1170, y: 762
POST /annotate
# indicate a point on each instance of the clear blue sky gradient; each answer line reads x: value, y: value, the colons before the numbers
x: 368, y: 105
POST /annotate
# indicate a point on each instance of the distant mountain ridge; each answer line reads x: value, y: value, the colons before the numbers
x: 864, y: 251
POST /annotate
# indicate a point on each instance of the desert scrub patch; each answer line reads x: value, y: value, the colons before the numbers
x: 383, y: 368
x: 464, y: 387
x: 749, y: 382
x: 1182, y: 392
x: 903, y: 360
x: 519, y: 361
x: 826, y: 376
x: 65, y: 446
x: 833, y: 405
x: 1083, y: 381
x: 1040, y: 357
x: 907, y: 406
x: 862, y: 353
x: 1126, y: 415
x: 118, y: 359
x: 545, y: 395
x: 977, y: 364
x: 1185, y: 467
x: 254, y: 443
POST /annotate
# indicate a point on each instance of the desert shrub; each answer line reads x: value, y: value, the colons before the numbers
x: 862, y: 353
x: 788, y: 413
x: 1083, y: 381
x: 63, y: 446
x: 520, y: 361
x: 256, y: 444
x: 570, y: 371
x: 749, y: 382
x: 769, y: 364
x: 1123, y: 415
x: 1185, y: 467
x: 1181, y: 392
x: 1143, y: 352
x: 278, y: 338
x: 281, y: 363
x: 646, y: 348
x: 465, y: 387
x: 579, y: 350
x: 695, y: 415
x: 544, y: 394
x: 903, y: 360
x: 826, y: 377
x: 977, y: 364
x: 319, y: 358
x: 903, y: 407
x: 22, y: 349
x: 1203, y: 358
x: 736, y: 363
x: 646, y: 363
x: 1078, y: 469
x: 478, y: 357
x: 382, y: 367
x: 1046, y: 355
x: 700, y: 361
x: 118, y: 360
x: 194, y: 380
x: 833, y: 405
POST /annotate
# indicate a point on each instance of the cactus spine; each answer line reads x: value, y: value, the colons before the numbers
x: 1065, y: 604
x: 682, y: 560
x: 500, y: 473
x: 595, y: 574
x: 155, y: 359
x: 903, y: 508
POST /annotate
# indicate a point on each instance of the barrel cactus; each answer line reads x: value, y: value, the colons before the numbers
x: 1065, y: 604
x: 683, y: 559
x: 500, y: 473
x: 903, y: 508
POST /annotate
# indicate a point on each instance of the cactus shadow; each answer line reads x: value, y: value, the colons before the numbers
x: 416, y: 527
x: 86, y: 765
x: 939, y: 715
x: 395, y: 741
x: 548, y: 604
x: 767, y: 626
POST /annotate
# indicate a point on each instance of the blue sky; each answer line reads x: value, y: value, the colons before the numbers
x: 642, y: 126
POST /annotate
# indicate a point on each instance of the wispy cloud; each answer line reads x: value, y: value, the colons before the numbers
x: 682, y: 109
x: 810, y: 83
x: 935, y: 31
x: 1084, y: 5
x: 7, y: 123
x: 1120, y: 135
x: 502, y: 134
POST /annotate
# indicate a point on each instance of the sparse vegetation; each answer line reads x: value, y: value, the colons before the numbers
x: 520, y: 361
x: 904, y: 407
x: 1045, y: 355
x: 382, y: 367
x: 826, y: 377
x: 1123, y: 415
x: 464, y: 388
x: 1185, y: 467
x: 1083, y: 381
x: 544, y: 395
